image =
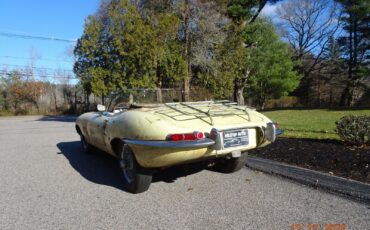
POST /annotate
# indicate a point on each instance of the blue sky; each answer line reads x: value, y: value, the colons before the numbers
x: 46, y: 18
x: 62, y: 19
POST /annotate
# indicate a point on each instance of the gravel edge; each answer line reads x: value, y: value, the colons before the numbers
x: 351, y: 188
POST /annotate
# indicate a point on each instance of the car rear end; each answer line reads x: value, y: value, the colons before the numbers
x: 202, y: 131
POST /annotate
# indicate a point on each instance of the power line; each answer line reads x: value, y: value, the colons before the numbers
x: 36, y: 68
x: 13, y: 35
x: 2, y: 72
x: 42, y: 59
x: 40, y: 72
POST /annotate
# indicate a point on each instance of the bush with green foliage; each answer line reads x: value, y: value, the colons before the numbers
x: 354, y: 129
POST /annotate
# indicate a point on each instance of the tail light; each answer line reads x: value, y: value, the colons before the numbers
x: 186, y: 136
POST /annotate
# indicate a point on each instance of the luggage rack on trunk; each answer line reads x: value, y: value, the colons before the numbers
x: 212, y: 109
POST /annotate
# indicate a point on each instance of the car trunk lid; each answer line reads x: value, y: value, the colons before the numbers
x: 210, y: 112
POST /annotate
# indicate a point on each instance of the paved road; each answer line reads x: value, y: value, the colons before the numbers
x: 46, y: 182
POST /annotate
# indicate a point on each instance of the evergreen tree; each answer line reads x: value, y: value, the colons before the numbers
x: 121, y: 49
x: 272, y: 74
x: 242, y: 13
x: 261, y: 64
x: 356, y: 44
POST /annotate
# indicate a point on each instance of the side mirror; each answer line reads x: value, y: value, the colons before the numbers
x: 101, y: 108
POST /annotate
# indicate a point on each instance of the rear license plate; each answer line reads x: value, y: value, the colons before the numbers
x: 234, y: 138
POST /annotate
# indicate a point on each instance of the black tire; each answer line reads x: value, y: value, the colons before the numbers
x: 231, y: 165
x: 87, y: 148
x: 136, y: 179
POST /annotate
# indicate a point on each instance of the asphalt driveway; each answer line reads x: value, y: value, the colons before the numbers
x: 46, y: 182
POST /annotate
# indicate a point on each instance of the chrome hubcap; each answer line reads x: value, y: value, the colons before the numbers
x: 127, y: 165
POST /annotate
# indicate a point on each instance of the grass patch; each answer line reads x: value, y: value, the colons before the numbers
x: 315, y: 123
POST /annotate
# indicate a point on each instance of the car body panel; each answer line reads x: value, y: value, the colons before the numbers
x: 146, y: 131
x: 152, y: 157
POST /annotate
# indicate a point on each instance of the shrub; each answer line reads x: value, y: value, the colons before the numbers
x: 283, y: 102
x: 354, y: 129
x: 2, y: 102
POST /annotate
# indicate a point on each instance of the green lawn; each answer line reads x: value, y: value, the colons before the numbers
x: 316, y: 123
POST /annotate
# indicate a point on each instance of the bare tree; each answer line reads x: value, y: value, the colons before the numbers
x: 205, y: 32
x: 34, y: 56
x: 308, y: 26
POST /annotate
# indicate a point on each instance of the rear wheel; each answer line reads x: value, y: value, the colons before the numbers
x: 136, y: 180
x: 87, y: 148
x: 230, y: 165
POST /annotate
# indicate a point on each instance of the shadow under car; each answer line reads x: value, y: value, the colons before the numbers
x: 101, y: 168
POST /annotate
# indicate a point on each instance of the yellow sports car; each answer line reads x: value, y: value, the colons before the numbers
x: 149, y: 137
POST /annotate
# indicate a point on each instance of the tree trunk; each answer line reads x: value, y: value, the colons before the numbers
x: 307, y: 88
x: 103, y: 100
x: 319, y: 92
x: 36, y: 105
x: 263, y: 104
x: 131, y: 99
x: 159, y: 92
x: 186, y: 90
x: 55, y: 98
x: 346, y: 95
x: 239, y: 96
x: 239, y: 85
x: 75, y: 103
x: 346, y: 98
x: 260, y: 8
x: 87, y: 101
x: 186, y: 82
x: 331, y: 95
x: 353, y: 97
x: 238, y: 92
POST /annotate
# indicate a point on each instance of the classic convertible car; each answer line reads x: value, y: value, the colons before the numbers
x: 150, y: 137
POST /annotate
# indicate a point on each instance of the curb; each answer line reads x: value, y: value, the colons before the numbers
x: 342, y: 186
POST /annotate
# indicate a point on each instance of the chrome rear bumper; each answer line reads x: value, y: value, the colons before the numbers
x: 270, y: 132
x: 172, y: 144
